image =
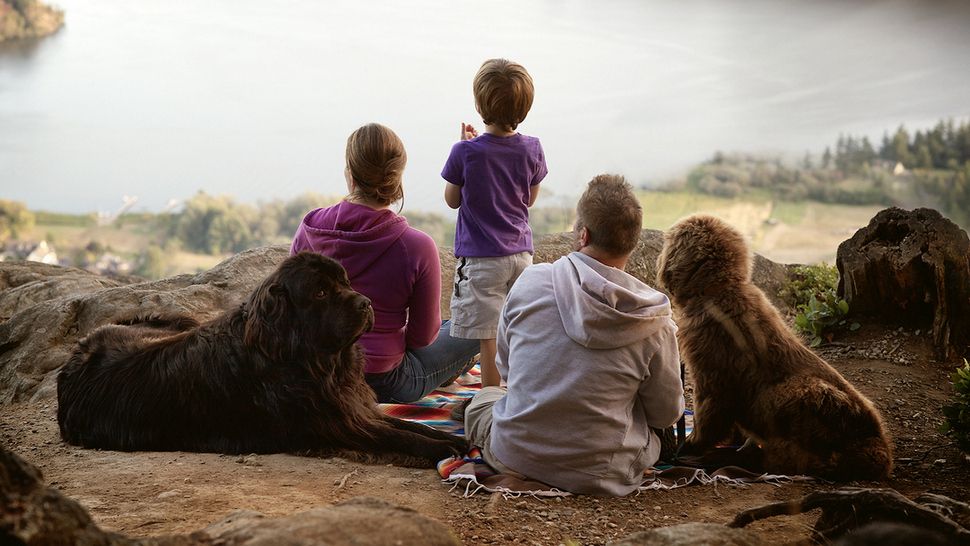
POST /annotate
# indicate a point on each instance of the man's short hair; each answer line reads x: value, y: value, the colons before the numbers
x: 503, y: 92
x: 611, y: 214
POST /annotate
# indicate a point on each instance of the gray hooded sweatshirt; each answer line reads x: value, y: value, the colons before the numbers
x: 590, y: 357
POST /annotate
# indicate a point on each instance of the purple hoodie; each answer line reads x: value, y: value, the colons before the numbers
x: 390, y: 262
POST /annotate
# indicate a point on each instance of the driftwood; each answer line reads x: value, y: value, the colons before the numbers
x: 913, y: 268
x: 844, y: 510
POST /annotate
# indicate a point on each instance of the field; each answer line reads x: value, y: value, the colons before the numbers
x: 70, y: 235
x: 787, y: 232
x: 802, y: 232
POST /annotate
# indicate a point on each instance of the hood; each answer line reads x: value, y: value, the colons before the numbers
x: 354, y: 235
x: 603, y: 307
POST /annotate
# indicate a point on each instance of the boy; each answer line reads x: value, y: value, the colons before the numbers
x: 493, y: 179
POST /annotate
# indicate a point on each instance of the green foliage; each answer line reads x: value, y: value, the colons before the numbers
x: 15, y: 219
x: 214, y: 225
x: 957, y: 412
x: 812, y: 292
x: 152, y: 263
x: 46, y: 218
x: 856, y: 173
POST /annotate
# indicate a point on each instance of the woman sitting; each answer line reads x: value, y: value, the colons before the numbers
x: 409, y: 350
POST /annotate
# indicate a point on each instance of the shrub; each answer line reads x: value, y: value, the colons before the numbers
x: 957, y: 413
x: 820, y: 312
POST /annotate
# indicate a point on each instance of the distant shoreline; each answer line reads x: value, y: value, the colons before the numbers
x: 32, y: 20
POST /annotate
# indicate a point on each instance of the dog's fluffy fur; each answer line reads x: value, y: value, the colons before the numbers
x: 752, y: 372
x: 280, y: 373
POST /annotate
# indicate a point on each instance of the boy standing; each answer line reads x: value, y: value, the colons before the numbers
x: 493, y: 179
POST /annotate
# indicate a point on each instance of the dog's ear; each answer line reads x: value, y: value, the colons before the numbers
x: 267, y: 312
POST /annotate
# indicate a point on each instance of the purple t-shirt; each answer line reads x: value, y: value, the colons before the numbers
x: 496, y: 175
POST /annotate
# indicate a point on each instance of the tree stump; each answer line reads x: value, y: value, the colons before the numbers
x: 912, y: 268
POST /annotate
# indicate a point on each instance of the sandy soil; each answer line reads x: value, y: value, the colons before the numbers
x: 143, y: 494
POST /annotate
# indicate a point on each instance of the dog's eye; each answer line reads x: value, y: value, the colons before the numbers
x: 321, y: 295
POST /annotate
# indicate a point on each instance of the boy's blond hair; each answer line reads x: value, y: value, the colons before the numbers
x: 503, y: 93
x: 376, y: 159
x: 611, y: 214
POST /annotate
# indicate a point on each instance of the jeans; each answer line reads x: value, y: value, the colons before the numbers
x: 424, y: 370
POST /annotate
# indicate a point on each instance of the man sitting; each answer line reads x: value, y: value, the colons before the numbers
x: 589, y: 356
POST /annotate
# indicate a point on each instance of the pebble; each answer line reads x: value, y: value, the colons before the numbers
x: 169, y: 494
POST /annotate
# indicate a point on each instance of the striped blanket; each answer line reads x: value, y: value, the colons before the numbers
x: 434, y: 410
x: 471, y: 474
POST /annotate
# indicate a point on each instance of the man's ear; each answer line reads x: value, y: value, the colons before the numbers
x: 582, y: 239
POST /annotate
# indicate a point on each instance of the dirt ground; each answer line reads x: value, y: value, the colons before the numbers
x: 150, y: 493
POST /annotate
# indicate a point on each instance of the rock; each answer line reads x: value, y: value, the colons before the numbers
x: 911, y: 267
x: 692, y: 534
x: 39, y: 336
x: 360, y: 521
x: 34, y: 514
x: 23, y: 284
x: 50, y: 308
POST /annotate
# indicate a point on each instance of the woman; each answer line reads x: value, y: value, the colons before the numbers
x: 409, y: 351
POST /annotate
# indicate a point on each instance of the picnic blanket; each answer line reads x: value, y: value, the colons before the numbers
x: 434, y: 410
x: 472, y: 474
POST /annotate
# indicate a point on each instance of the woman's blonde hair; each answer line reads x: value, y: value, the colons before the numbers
x: 376, y: 160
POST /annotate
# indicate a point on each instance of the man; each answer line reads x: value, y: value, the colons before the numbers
x: 589, y: 355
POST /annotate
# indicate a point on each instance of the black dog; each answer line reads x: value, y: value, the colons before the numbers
x: 281, y: 373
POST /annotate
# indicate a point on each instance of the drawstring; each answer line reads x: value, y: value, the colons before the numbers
x: 461, y: 276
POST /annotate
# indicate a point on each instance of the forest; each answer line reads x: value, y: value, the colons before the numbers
x: 925, y: 168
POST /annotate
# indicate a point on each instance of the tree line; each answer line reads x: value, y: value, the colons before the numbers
x: 935, y: 172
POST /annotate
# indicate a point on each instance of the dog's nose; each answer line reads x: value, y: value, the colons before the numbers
x: 363, y: 302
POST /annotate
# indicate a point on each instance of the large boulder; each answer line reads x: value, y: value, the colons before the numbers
x: 39, y: 336
x: 33, y: 514
x: 767, y: 275
x: 913, y: 268
x: 50, y: 307
x: 23, y: 284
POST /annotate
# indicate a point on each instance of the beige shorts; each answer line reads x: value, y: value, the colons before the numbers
x: 481, y: 285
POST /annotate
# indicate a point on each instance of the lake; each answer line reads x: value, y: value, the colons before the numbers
x: 160, y: 99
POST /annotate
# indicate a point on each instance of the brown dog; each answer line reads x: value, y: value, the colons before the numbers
x: 752, y: 372
x: 280, y: 373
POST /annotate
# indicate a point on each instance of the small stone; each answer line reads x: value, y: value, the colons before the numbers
x: 656, y: 508
x: 939, y: 461
x: 187, y: 480
x: 169, y: 494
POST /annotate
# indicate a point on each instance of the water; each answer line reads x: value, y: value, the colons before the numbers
x: 160, y: 99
